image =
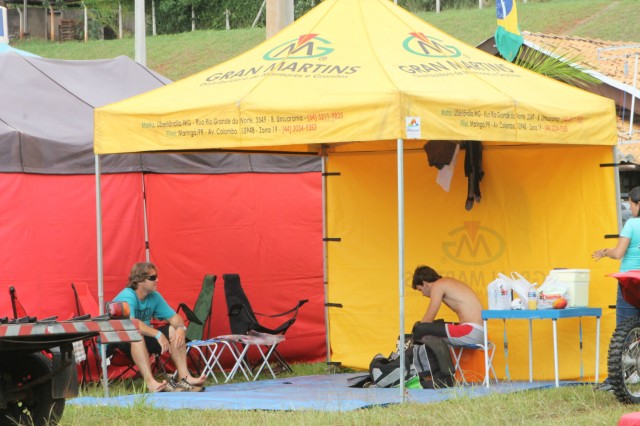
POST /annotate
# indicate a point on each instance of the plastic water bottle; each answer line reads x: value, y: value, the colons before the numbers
x: 532, y: 299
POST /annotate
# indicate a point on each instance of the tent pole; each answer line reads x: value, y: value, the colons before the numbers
x: 616, y: 178
x: 146, y: 223
x: 400, y: 155
x: 324, y: 255
x: 103, y: 349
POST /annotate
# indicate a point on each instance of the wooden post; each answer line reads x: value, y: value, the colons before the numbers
x: 25, y: 26
x: 437, y: 6
x: 86, y: 23
x: 52, y: 24
x: 279, y: 15
x: 21, y: 22
x: 120, y: 20
x: 153, y: 18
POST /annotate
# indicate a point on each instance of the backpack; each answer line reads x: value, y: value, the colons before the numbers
x: 429, y: 359
x: 432, y: 362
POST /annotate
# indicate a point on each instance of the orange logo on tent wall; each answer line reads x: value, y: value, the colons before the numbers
x: 424, y: 45
x: 304, y: 47
x: 473, y: 244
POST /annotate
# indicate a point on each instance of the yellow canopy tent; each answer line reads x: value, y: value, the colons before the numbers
x: 356, y: 80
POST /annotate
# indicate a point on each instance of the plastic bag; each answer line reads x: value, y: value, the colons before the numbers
x: 499, y: 292
x: 550, y: 292
x: 520, y: 285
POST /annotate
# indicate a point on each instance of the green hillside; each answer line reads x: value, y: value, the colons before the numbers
x: 180, y: 55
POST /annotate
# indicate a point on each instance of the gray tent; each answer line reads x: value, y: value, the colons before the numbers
x: 46, y: 121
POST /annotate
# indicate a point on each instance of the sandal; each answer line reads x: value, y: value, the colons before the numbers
x: 185, y: 386
x: 169, y: 387
x: 172, y: 387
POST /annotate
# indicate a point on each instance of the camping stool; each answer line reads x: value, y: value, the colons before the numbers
x: 456, y: 355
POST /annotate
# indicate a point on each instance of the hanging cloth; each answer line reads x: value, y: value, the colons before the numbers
x: 473, y: 171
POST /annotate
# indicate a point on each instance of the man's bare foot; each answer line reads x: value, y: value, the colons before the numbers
x: 197, y: 381
x: 158, y: 387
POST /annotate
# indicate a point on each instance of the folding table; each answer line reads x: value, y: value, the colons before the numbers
x: 210, y: 351
x: 238, y: 346
x: 552, y: 314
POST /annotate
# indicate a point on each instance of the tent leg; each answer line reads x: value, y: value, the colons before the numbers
x: 105, y: 381
x: 324, y: 257
x: 616, y: 178
x: 400, y: 155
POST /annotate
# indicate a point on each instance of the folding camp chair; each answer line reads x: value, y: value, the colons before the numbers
x: 198, y: 318
x: 20, y: 314
x: 83, y: 298
x: 86, y: 304
x: 243, y: 319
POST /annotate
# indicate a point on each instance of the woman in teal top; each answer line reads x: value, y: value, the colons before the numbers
x: 628, y: 249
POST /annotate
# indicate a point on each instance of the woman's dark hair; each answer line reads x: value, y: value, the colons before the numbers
x: 634, y: 196
x: 139, y: 272
x: 424, y: 273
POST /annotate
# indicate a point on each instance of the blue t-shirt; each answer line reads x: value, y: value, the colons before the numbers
x: 631, y: 258
x: 153, y: 306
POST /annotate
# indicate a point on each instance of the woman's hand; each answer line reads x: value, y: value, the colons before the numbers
x: 599, y: 254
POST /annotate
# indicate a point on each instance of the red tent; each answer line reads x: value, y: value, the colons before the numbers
x: 259, y: 216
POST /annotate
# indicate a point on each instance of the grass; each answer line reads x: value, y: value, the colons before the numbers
x: 578, y: 405
x: 180, y: 55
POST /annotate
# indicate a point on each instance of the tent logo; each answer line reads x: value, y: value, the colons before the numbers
x: 473, y: 244
x: 423, y: 45
x: 304, y: 47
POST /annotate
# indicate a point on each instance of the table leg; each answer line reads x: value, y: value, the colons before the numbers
x: 239, y: 357
x: 506, y: 350
x: 486, y: 355
x: 265, y: 361
x: 555, y: 351
x: 597, y: 347
x: 581, y: 355
x: 530, y: 352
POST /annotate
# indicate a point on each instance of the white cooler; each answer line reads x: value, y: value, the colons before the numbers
x: 577, y: 283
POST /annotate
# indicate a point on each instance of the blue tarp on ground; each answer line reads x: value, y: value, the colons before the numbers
x: 322, y: 393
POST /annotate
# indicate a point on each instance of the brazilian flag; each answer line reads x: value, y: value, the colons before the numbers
x: 508, y: 37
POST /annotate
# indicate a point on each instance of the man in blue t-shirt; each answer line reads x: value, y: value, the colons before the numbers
x: 146, y: 304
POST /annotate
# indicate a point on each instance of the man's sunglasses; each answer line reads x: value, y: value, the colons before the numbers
x: 152, y: 277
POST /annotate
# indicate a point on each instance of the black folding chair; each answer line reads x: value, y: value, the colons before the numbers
x: 243, y: 319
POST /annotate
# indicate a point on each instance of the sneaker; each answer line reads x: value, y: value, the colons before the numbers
x: 188, y: 387
x: 604, y: 386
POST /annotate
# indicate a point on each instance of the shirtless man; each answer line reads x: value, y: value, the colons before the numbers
x: 457, y: 296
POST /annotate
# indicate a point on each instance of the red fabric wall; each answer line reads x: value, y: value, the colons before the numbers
x: 48, y: 237
x: 265, y: 227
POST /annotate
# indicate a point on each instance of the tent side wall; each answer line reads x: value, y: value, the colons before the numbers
x: 542, y: 207
x: 48, y: 226
x: 265, y: 227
